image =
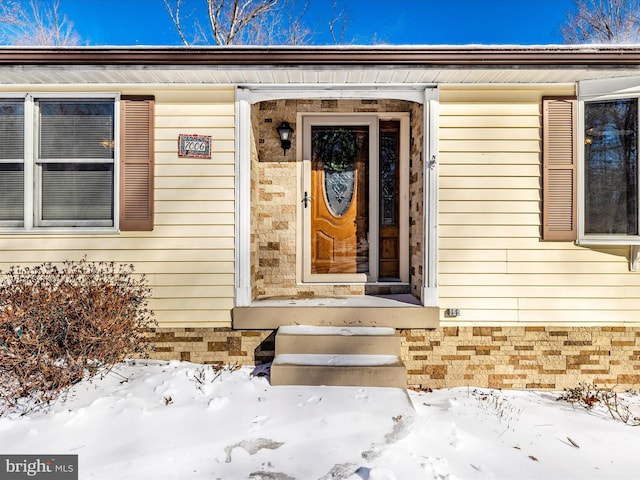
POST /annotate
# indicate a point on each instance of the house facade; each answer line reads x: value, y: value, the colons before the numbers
x: 482, y: 201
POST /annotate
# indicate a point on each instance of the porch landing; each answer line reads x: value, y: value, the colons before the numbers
x: 394, y: 311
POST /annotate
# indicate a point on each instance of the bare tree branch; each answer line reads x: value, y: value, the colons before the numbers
x: 246, y: 22
x: 295, y: 31
x: 36, y: 24
x: 338, y: 24
x: 298, y: 33
x: 231, y: 19
x: 603, y: 21
x: 174, y: 13
x: 214, y: 10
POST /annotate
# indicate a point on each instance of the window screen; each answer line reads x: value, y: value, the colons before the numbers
x: 76, y: 169
x: 11, y: 161
x: 611, y: 167
x: 76, y: 130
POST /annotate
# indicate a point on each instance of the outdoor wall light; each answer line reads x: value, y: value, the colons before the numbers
x: 285, y: 131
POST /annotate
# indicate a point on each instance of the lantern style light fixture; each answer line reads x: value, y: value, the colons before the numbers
x: 285, y: 131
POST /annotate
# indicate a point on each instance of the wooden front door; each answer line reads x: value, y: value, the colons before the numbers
x: 339, y: 200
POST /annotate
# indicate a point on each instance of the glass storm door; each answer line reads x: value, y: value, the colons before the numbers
x: 337, y: 198
x: 354, y: 199
x: 340, y: 187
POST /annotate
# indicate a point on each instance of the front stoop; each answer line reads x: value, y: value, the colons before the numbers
x: 338, y: 356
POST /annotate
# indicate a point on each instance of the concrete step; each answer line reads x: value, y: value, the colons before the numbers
x: 339, y: 356
x: 339, y: 370
x: 338, y: 340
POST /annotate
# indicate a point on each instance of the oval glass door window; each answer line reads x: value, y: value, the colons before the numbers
x: 339, y: 188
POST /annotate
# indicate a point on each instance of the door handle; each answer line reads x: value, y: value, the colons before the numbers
x: 306, y: 199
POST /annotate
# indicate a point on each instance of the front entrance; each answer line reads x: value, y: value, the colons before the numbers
x: 352, y: 197
x: 380, y: 199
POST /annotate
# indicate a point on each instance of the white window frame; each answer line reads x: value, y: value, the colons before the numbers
x: 600, y: 91
x: 32, y: 180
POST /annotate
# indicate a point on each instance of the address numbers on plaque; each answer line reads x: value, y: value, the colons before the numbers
x: 194, y: 146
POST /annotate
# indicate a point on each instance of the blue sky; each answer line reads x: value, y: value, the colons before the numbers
x: 527, y: 22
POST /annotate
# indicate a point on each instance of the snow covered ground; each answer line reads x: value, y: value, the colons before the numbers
x: 176, y: 420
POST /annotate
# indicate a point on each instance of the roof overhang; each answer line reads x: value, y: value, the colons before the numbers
x: 371, y: 65
x: 287, y: 56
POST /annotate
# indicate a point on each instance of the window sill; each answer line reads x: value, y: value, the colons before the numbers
x: 59, y: 231
x: 608, y: 240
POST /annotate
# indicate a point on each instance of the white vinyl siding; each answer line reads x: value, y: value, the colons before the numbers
x: 493, y: 265
x: 189, y: 256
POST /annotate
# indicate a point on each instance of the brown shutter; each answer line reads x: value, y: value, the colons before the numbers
x: 136, y: 163
x: 559, y: 162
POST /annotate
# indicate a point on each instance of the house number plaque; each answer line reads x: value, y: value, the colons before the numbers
x: 194, y: 146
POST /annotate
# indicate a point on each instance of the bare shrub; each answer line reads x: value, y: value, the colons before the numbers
x: 58, y: 324
x: 504, y: 411
x: 589, y: 395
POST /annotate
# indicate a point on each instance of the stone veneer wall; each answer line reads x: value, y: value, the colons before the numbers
x: 416, y: 201
x: 547, y: 358
x: 275, y: 193
x: 254, y: 194
x: 213, y: 345
x: 523, y: 357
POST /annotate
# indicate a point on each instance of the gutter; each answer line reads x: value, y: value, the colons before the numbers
x: 287, y: 56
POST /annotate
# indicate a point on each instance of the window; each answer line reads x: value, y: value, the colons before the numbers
x: 74, y: 163
x: 58, y: 163
x: 11, y: 162
x: 611, y: 167
x: 604, y: 169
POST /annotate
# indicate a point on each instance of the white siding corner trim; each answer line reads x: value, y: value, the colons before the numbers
x: 430, y: 209
x: 243, y: 199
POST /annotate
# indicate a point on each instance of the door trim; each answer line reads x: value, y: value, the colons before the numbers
x: 307, y: 120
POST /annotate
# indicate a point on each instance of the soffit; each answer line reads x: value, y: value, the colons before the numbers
x: 270, y: 75
x: 348, y: 65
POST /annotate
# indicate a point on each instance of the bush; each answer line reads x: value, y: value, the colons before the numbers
x: 59, y: 324
x: 590, y: 395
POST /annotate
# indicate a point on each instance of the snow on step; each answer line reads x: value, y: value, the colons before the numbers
x: 335, y: 360
x: 313, y: 330
x: 340, y: 340
x: 339, y: 355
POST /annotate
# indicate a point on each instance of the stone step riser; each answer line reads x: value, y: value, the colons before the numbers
x: 352, y: 376
x: 339, y: 344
